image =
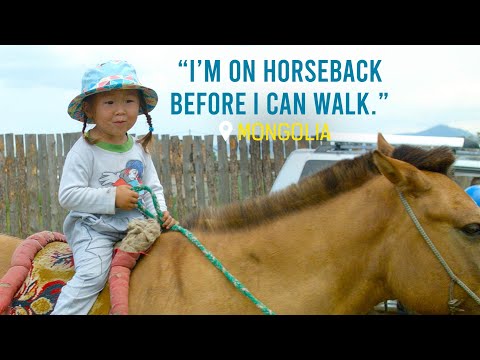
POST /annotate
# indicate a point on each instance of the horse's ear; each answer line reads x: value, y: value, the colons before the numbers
x: 403, y: 175
x: 383, y: 146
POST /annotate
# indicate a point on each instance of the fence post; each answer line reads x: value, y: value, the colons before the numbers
x: 178, y: 172
x: 10, y: 184
x: 53, y: 183
x: 245, y: 169
x: 224, y: 180
x: 3, y: 188
x: 199, y: 165
x: 266, y: 165
x: 210, y: 171
x: 188, y: 184
x: 32, y: 184
x: 165, y: 166
x: 45, y: 185
x: 21, y: 186
x: 256, y: 166
x: 233, y: 167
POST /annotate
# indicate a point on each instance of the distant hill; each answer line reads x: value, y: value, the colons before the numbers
x: 471, y: 140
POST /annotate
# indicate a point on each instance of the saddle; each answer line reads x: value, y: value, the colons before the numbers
x: 52, y: 266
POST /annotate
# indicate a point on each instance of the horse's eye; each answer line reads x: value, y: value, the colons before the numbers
x: 472, y: 229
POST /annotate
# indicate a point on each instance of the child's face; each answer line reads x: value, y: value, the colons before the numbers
x: 114, y: 113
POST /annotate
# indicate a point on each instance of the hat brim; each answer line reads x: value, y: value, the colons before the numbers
x: 75, y: 109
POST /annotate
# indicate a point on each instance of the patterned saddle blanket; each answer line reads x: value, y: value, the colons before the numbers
x: 52, y: 267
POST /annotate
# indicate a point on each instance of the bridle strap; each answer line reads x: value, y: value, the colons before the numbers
x: 452, y: 303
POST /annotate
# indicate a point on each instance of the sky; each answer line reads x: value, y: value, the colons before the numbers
x: 427, y: 85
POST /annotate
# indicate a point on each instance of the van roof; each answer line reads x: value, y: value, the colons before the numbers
x: 415, y: 140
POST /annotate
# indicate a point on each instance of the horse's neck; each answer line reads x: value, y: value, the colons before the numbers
x: 353, y: 256
x: 334, y: 249
x: 325, y: 259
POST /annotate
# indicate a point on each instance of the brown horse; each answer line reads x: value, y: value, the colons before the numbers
x: 338, y: 242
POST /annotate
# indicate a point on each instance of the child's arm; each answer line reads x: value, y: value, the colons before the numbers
x: 74, y: 192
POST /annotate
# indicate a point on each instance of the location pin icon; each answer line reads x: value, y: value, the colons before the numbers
x: 225, y: 128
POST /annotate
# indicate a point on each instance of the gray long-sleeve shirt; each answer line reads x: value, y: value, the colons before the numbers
x: 92, y: 172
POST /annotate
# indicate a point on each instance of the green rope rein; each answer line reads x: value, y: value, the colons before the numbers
x: 195, y: 241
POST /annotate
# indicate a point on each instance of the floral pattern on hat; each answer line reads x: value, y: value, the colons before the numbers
x: 111, y: 75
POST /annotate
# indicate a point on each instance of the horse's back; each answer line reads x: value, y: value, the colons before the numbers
x: 8, y: 244
x: 176, y: 277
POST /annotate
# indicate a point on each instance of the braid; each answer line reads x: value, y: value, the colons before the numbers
x: 85, y: 135
x: 87, y: 138
x: 145, y: 140
x: 84, y: 125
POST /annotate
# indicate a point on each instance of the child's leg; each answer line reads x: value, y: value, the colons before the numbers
x: 92, y: 247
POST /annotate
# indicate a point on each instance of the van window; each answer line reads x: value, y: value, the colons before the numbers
x: 313, y: 166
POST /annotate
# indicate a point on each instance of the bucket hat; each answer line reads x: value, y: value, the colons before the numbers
x: 111, y: 75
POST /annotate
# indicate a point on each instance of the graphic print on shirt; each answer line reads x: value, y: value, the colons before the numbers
x: 130, y: 175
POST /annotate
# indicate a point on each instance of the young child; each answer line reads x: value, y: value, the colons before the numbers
x: 98, y: 174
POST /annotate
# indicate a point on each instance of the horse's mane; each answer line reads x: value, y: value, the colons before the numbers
x: 343, y: 176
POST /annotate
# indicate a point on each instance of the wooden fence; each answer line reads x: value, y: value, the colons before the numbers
x: 194, y: 171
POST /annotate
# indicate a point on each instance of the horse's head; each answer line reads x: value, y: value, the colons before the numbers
x: 434, y: 259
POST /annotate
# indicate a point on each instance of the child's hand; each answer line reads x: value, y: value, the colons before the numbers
x: 168, y: 220
x: 125, y: 198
